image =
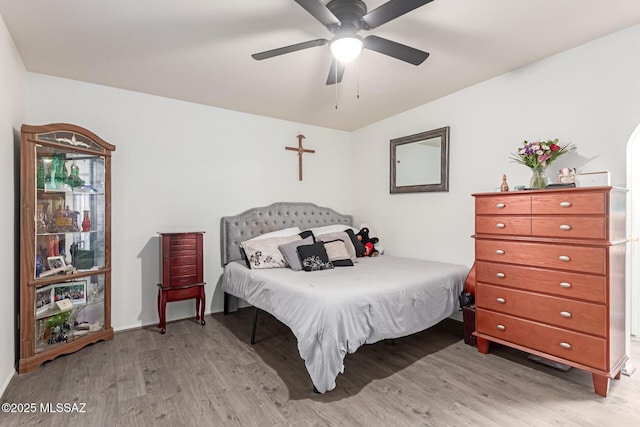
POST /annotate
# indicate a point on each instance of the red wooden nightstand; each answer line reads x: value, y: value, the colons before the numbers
x: 181, y: 273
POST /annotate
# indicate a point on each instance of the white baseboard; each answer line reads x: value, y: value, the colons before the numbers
x: 6, y: 382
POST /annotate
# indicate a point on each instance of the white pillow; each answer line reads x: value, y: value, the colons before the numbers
x: 333, y: 228
x: 278, y: 233
x: 372, y: 234
x: 264, y: 253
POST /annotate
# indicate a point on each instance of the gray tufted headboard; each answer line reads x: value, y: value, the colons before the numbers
x: 238, y: 228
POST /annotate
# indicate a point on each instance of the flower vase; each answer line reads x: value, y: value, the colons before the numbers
x: 86, y: 222
x: 539, y: 178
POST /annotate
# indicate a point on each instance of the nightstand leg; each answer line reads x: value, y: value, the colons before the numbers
x: 202, y: 297
x: 163, y: 307
x: 198, y: 307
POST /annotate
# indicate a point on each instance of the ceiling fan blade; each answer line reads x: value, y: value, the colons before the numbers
x: 319, y: 11
x: 288, y: 49
x: 335, y: 75
x: 391, y: 10
x: 395, y: 50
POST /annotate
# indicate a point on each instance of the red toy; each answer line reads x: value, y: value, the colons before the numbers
x: 368, y: 242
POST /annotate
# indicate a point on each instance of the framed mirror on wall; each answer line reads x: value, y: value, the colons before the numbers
x: 420, y: 162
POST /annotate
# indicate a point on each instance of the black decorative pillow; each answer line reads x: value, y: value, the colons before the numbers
x: 314, y: 257
x: 338, y: 254
x: 357, y: 244
x: 307, y: 233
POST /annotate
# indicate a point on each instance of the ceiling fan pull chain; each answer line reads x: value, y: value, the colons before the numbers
x: 336, y: 84
x: 358, y: 78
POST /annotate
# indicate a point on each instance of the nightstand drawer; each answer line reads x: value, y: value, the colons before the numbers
x: 565, y: 257
x: 570, y: 227
x: 561, y: 283
x: 510, y: 225
x: 570, y: 203
x: 587, y: 350
x: 183, y: 260
x: 184, y: 270
x: 503, y: 205
x: 565, y: 313
x: 183, y: 280
x: 181, y: 294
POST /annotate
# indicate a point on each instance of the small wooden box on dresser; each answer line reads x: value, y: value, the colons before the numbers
x: 181, y: 273
x: 551, y: 276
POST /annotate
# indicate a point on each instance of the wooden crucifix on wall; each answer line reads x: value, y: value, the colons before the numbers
x: 300, y: 151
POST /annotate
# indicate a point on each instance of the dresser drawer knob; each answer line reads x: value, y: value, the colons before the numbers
x: 565, y: 345
x: 501, y: 300
x: 565, y: 285
x: 564, y: 258
x: 565, y: 227
x: 500, y: 225
x: 565, y: 314
x: 501, y: 327
x: 500, y: 205
x: 565, y: 204
x: 500, y: 252
x: 500, y: 275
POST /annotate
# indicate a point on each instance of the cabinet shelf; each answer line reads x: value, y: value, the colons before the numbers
x: 65, y: 187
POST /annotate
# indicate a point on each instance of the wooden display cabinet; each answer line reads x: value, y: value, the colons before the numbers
x: 65, y: 242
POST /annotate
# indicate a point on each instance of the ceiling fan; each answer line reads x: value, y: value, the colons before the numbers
x: 345, y: 18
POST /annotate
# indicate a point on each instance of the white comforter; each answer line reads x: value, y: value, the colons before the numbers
x: 333, y: 312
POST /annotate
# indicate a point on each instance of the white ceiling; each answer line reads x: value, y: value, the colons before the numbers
x: 200, y: 50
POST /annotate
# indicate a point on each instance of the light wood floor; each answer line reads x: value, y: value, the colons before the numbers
x: 212, y: 376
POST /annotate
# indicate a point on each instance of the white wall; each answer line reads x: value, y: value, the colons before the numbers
x: 589, y: 96
x: 180, y: 166
x: 12, y: 110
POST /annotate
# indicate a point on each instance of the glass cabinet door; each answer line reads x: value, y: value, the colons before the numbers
x: 70, y: 201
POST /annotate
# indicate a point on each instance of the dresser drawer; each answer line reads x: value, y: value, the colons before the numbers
x: 574, y: 346
x: 570, y: 203
x: 182, y: 294
x: 183, y: 280
x: 184, y: 270
x: 565, y: 257
x: 176, y: 261
x: 570, y: 227
x: 579, y: 316
x: 503, y: 205
x: 505, y: 225
x: 178, y: 240
x: 561, y: 283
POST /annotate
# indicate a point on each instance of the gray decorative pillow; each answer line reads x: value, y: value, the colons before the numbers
x: 264, y: 253
x: 290, y: 252
x: 342, y: 235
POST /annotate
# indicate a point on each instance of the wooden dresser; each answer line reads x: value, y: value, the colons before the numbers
x: 181, y: 273
x: 550, y: 270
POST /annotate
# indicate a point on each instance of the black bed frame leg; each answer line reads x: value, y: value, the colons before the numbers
x: 226, y: 303
x: 393, y: 341
x: 255, y: 324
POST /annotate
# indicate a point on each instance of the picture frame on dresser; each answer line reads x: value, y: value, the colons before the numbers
x: 550, y: 270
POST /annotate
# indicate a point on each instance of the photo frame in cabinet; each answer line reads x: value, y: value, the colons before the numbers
x: 75, y: 291
x: 56, y: 262
x: 44, y: 299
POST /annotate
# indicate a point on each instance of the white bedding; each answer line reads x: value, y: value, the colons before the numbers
x: 333, y: 312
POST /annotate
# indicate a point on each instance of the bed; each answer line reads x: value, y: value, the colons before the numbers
x: 333, y: 312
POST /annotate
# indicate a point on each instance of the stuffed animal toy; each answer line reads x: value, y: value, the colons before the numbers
x: 368, y: 242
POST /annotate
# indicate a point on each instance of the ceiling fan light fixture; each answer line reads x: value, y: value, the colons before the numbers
x: 346, y: 48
